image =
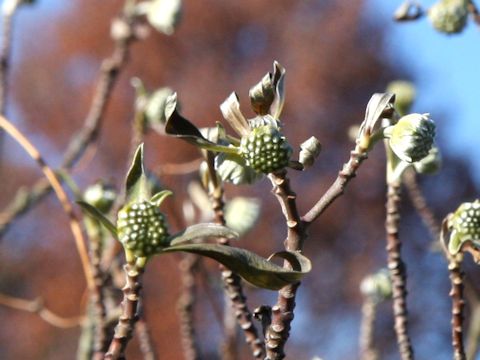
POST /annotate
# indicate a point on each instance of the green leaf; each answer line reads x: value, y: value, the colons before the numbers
x: 136, y: 181
x: 159, y: 197
x: 202, y: 231
x: 97, y: 215
x: 250, y: 266
x: 177, y: 125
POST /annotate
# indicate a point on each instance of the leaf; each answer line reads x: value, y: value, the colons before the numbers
x: 230, y: 109
x: 136, y: 181
x: 250, y: 266
x: 203, y: 231
x: 159, y: 197
x: 377, y: 104
x: 232, y: 168
x: 177, y: 125
x: 97, y: 215
x: 268, y: 96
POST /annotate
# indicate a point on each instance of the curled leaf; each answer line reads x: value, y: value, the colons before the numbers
x: 232, y: 168
x: 376, y: 107
x: 159, y: 197
x: 97, y: 215
x: 178, y: 126
x: 250, y: 266
x: 199, y: 231
x: 267, y: 97
x: 136, y: 181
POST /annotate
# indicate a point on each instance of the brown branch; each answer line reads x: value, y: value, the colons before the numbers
x: 109, y: 71
x: 144, y: 339
x: 37, y: 306
x: 231, y: 281
x: 126, y: 323
x: 278, y: 332
x: 369, y: 312
x: 397, y: 270
x: 420, y: 204
x: 473, y: 9
x: 99, y: 311
x: 188, y: 265
x: 348, y: 172
x: 59, y: 192
x: 456, y: 293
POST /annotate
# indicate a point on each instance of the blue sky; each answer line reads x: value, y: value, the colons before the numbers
x: 446, y: 72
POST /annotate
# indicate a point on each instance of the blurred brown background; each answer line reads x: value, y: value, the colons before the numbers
x: 334, y: 61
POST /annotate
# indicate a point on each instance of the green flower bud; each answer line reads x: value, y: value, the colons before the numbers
x: 465, y: 225
x: 404, y: 95
x: 449, y: 16
x: 100, y: 196
x: 430, y: 164
x: 142, y: 228
x: 377, y: 286
x: 411, y: 138
x: 265, y: 149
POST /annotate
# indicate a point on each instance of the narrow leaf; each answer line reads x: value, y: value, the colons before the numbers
x: 158, y: 198
x: 250, y: 266
x: 136, y: 181
x: 203, y: 231
x: 97, y: 215
x: 377, y: 104
x: 279, y: 85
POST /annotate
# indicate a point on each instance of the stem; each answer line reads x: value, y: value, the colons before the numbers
x: 397, y: 271
x: 282, y: 313
x: 231, y: 281
x: 126, y: 323
x: 348, y: 172
x: 144, y: 339
x: 99, y: 311
x: 456, y: 293
x: 367, y: 348
x: 37, y: 306
x: 419, y: 202
x: 109, y: 72
x: 186, y: 302
x: 474, y: 11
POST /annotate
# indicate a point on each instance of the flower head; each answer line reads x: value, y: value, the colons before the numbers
x: 465, y: 225
x: 449, y: 16
x: 411, y: 138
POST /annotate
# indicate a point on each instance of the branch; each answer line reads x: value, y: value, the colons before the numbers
x: 456, y: 293
x: 420, y: 204
x: 367, y: 349
x: 278, y: 332
x: 473, y: 9
x: 188, y: 265
x: 348, y: 172
x: 126, y: 323
x: 36, y: 306
x: 61, y: 195
x: 109, y: 72
x: 397, y: 270
x: 231, y: 281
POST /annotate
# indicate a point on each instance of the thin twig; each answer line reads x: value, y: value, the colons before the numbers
x: 397, y: 270
x: 126, y: 323
x: 456, y: 293
x: 474, y: 11
x: 144, y: 339
x: 61, y: 195
x: 369, y: 312
x: 348, y: 172
x: 419, y: 202
x: 282, y: 313
x: 185, y: 304
x: 109, y: 72
x: 99, y: 311
x: 36, y: 306
x: 231, y: 281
